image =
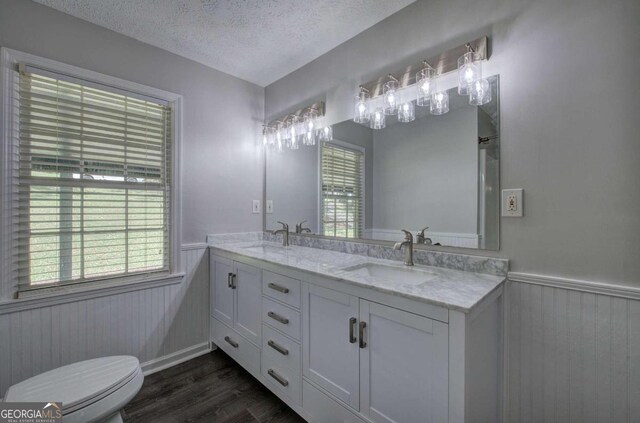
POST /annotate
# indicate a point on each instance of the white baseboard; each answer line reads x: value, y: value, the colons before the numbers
x: 170, y: 360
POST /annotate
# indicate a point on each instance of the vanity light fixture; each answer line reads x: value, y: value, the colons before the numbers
x: 390, y: 95
x: 406, y: 112
x: 378, y: 118
x: 439, y: 103
x: 469, y: 70
x: 361, y: 109
x: 293, y: 138
x: 480, y: 93
x: 425, y: 84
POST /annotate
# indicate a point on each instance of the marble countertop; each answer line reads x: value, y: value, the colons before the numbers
x: 453, y: 289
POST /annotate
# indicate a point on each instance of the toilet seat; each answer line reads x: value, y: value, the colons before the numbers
x: 89, y: 390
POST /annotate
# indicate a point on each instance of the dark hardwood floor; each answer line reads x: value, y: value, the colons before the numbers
x: 211, y: 388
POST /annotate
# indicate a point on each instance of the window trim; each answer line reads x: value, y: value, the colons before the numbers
x: 9, y: 62
x: 350, y: 146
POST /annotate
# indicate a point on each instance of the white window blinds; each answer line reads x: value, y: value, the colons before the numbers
x: 93, y: 182
x: 342, y: 197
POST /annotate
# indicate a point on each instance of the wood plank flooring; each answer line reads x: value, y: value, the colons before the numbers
x: 210, y: 388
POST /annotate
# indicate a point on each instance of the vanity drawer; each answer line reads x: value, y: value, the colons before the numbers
x: 282, y: 378
x: 281, y: 288
x: 322, y: 408
x: 238, y: 347
x: 281, y: 317
x: 280, y: 349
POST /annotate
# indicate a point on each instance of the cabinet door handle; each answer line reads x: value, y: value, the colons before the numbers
x: 352, y: 336
x: 278, y: 288
x: 278, y: 318
x: 363, y: 325
x: 233, y: 281
x: 229, y: 281
x: 231, y: 342
x: 282, y: 381
x: 280, y: 349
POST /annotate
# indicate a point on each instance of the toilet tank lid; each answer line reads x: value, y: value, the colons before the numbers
x: 75, y: 383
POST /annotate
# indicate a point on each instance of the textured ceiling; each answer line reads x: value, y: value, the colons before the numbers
x: 257, y: 40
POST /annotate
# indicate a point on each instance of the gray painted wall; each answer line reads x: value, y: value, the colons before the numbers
x: 426, y: 174
x: 222, y: 115
x: 569, y: 129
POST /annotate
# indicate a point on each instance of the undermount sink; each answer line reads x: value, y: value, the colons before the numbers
x: 265, y: 248
x: 403, y: 275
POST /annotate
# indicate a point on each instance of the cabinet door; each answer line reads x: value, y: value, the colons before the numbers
x: 221, y: 293
x: 248, y: 312
x: 403, y: 366
x: 330, y: 357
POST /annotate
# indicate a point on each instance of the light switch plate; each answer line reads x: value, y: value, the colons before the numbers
x: 256, y: 206
x: 269, y: 206
x: 512, y: 205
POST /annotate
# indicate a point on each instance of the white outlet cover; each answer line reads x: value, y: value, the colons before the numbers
x: 512, y: 205
x: 256, y: 206
x: 269, y: 206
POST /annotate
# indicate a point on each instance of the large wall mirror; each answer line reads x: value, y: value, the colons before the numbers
x: 439, y: 172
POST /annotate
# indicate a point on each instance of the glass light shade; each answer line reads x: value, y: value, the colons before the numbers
x: 268, y: 137
x: 480, y: 93
x: 361, y: 109
x: 406, y: 112
x: 469, y: 71
x: 291, y: 129
x: 378, y: 119
x: 390, y: 97
x: 325, y: 133
x: 439, y: 103
x: 309, y: 126
x: 425, y: 86
x: 279, y: 136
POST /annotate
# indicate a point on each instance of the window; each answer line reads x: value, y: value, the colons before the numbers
x: 93, y: 181
x: 342, y: 190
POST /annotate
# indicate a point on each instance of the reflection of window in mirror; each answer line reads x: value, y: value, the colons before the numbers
x: 341, y: 190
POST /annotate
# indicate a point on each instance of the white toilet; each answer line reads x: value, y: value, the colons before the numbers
x: 90, y: 391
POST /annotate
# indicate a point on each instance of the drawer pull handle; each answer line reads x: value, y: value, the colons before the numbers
x: 278, y: 288
x: 231, y: 342
x: 281, y: 350
x: 352, y: 336
x: 363, y: 343
x: 282, y: 381
x: 231, y: 278
x: 278, y: 318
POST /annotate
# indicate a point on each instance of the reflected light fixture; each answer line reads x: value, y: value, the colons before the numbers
x: 378, y: 119
x: 325, y: 133
x: 480, y: 93
x: 309, y: 123
x: 469, y: 70
x: 361, y: 109
x: 390, y: 95
x: 425, y: 84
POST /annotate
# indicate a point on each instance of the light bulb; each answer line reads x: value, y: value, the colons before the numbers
x: 425, y: 81
x: 361, y: 107
x: 389, y: 97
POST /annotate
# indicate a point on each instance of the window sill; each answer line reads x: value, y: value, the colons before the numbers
x: 72, y: 293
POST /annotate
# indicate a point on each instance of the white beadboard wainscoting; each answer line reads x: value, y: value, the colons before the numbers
x: 160, y: 325
x: 573, y: 351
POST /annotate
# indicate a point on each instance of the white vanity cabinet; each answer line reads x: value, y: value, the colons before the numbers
x: 337, y: 352
x: 390, y: 365
x: 237, y: 296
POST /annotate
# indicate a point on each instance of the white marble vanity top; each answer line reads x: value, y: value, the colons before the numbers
x: 453, y: 289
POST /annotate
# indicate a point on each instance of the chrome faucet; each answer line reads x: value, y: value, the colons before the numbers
x: 285, y: 233
x: 420, y: 235
x: 300, y: 229
x: 408, y: 247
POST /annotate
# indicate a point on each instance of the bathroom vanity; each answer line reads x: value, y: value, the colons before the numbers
x: 350, y: 338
